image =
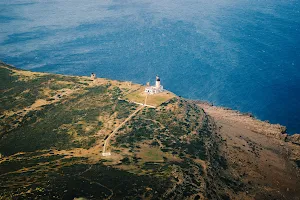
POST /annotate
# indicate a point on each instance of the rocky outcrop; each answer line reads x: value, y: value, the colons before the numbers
x: 294, y: 139
x: 245, y: 120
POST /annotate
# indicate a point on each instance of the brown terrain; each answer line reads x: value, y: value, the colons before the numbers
x: 258, y: 153
x: 54, y: 130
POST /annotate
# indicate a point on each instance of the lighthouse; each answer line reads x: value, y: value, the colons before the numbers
x: 157, y: 83
x: 157, y: 88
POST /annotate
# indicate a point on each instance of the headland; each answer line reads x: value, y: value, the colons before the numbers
x: 69, y: 137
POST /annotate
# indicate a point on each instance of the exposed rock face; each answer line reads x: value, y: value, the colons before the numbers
x: 294, y: 139
x: 262, y: 161
x: 247, y: 119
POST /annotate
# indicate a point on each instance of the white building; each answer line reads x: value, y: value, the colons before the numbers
x: 93, y: 76
x: 155, y: 89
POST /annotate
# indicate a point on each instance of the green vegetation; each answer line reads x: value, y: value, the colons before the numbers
x: 53, y: 128
x: 67, y: 124
x: 63, y: 183
x: 172, y: 128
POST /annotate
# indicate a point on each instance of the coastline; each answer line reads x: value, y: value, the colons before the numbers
x: 277, y: 131
x: 255, y: 156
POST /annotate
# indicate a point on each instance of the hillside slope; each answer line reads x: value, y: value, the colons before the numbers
x: 53, y: 129
x: 260, y: 154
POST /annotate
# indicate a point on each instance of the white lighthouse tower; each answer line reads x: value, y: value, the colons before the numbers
x: 157, y: 83
x: 154, y: 89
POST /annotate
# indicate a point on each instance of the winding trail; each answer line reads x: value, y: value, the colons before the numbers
x: 106, y: 143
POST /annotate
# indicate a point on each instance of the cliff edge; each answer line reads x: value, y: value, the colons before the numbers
x: 70, y: 137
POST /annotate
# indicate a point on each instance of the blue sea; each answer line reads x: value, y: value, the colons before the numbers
x: 241, y: 54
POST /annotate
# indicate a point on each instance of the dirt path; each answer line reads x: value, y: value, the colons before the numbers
x: 106, y: 143
x: 145, y: 103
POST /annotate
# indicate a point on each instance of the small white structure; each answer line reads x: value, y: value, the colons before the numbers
x: 93, y: 76
x: 154, y: 89
x: 106, y: 154
x: 129, y: 83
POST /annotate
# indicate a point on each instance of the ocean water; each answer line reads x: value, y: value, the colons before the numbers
x: 241, y: 54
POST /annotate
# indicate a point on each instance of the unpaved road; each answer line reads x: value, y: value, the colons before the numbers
x: 106, y: 143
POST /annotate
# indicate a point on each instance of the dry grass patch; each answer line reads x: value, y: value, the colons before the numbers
x: 139, y: 96
x: 24, y: 75
x: 136, y: 96
x: 151, y: 154
x: 64, y: 83
x: 27, y: 75
x: 158, y: 99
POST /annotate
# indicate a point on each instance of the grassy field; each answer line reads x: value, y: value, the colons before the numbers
x: 151, y: 154
x: 53, y: 127
x: 153, y: 100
